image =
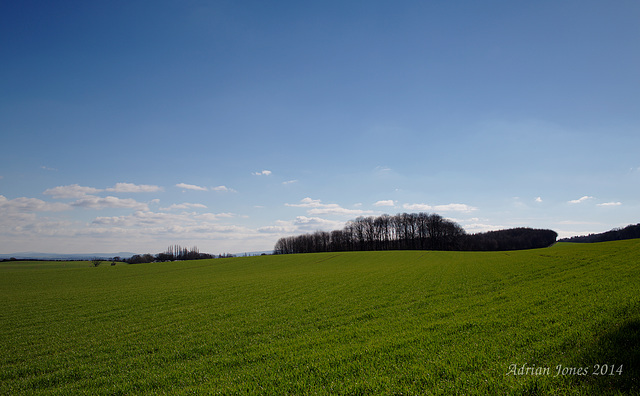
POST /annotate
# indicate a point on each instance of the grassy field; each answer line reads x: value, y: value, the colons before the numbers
x: 402, y: 322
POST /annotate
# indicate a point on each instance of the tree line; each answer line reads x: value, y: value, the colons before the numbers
x: 510, y: 239
x: 411, y: 231
x: 616, y: 234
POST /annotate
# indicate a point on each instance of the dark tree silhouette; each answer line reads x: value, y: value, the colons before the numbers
x: 616, y: 234
x: 411, y: 231
x: 511, y: 239
x: 403, y: 231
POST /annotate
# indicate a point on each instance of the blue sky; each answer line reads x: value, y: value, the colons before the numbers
x: 129, y: 126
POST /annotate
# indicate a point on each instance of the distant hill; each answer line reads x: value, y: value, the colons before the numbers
x: 616, y: 234
x: 63, y: 256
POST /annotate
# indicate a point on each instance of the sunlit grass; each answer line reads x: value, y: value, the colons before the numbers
x: 407, y: 322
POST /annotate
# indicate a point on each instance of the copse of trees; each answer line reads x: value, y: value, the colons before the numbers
x: 173, y: 253
x: 404, y: 231
x: 411, y: 231
x: 177, y: 252
x: 140, y: 259
x: 511, y: 239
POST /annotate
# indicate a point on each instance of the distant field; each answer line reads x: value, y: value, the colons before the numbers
x: 23, y: 265
x: 394, y: 322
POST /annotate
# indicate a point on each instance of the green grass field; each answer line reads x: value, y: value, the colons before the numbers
x: 398, y: 322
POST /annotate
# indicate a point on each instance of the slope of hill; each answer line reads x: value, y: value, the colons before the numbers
x: 392, y: 322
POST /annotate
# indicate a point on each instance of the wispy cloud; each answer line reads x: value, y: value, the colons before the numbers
x: 71, y: 191
x: 306, y: 203
x: 146, y: 225
x: 214, y: 216
x: 452, y: 207
x: 334, y: 209
x: 301, y: 224
x: 223, y: 189
x: 538, y: 199
x: 455, y: 207
x: 289, y: 182
x: 48, y: 168
x: 382, y: 169
x: 580, y: 200
x: 76, y: 191
x: 85, y: 198
x: 318, y: 208
x: 94, y: 202
x: 191, y: 187
x: 417, y: 206
x: 133, y: 188
x: 388, y: 202
x: 148, y: 219
x: 185, y: 205
x: 262, y: 173
x: 27, y: 205
x: 610, y: 204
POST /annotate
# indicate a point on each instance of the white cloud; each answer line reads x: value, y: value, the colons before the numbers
x: 307, y: 203
x: 302, y: 224
x: 319, y: 208
x: 310, y: 224
x: 93, y: 202
x: 263, y: 173
x: 71, y: 191
x: 538, y: 199
x: 289, y: 182
x: 146, y: 219
x: 76, y: 191
x: 280, y: 227
x: 474, y: 228
x: 213, y: 216
x: 223, y: 189
x: 580, y: 200
x: 610, y: 204
x: 452, y: 207
x: 143, y: 218
x: 334, y: 209
x: 24, y: 227
x: 185, y: 205
x: 21, y: 224
x: 28, y: 205
x: 170, y: 227
x: 191, y: 187
x: 388, y: 202
x: 48, y: 168
x: 417, y: 207
x: 133, y: 188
